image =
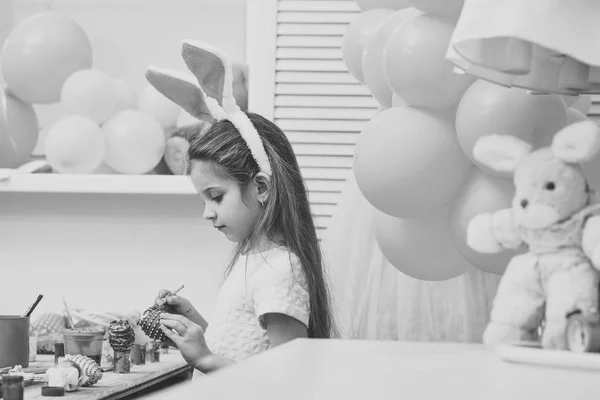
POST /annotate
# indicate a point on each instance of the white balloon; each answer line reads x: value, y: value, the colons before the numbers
x: 421, y: 248
x: 136, y: 142
x: 161, y: 108
x: 127, y: 96
x: 75, y: 145
x: 90, y: 93
x: 104, y: 169
x: 398, y: 101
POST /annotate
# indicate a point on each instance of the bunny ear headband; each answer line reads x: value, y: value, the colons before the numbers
x: 212, y: 97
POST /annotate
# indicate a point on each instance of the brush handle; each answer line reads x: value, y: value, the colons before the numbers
x: 68, y: 313
x: 33, y: 306
x: 173, y: 292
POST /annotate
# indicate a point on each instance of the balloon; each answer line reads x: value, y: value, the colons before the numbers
x: 583, y: 104
x: 373, y: 56
x: 19, y: 131
x: 104, y: 169
x: 575, y: 116
x: 552, y: 117
x: 7, y: 19
x: 487, y: 108
x: 90, y: 93
x: 414, y: 64
x: 483, y: 194
x: 569, y: 100
x: 136, y: 142
x: 126, y: 95
x: 41, y: 53
x: 398, y: 101
x: 441, y: 7
x: 75, y: 145
x: 420, y: 248
x: 356, y: 37
x: 407, y: 162
x: 366, y: 5
x: 160, y: 107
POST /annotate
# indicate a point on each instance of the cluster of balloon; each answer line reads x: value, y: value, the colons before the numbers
x: 408, y: 162
x: 18, y: 120
x: 413, y: 160
x: 106, y: 126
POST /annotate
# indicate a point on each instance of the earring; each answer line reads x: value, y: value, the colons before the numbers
x: 262, y: 203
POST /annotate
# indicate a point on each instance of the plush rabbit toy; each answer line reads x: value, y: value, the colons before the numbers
x: 178, y: 144
x: 555, y: 215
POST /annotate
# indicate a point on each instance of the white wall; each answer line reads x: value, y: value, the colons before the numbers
x: 113, y: 252
x: 106, y: 252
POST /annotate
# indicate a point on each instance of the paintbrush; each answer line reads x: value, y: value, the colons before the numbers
x: 68, y: 314
x: 156, y: 306
x: 173, y: 292
x: 33, y: 306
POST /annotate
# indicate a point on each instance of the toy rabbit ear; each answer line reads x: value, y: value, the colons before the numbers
x: 502, y: 153
x: 577, y: 143
x: 180, y: 89
x: 213, y: 71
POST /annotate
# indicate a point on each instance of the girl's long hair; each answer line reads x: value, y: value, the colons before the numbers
x: 286, y: 218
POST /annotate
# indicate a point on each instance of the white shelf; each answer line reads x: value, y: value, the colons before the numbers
x: 109, y: 184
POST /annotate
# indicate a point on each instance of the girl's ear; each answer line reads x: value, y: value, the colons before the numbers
x: 180, y: 89
x: 502, y: 153
x: 263, y: 186
x: 577, y: 143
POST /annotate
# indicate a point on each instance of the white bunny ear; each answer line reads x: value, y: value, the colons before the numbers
x: 180, y: 89
x: 502, y: 153
x: 577, y: 143
x: 213, y: 71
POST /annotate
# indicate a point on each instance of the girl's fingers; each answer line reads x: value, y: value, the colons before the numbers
x: 179, y: 318
x: 175, y: 338
x: 175, y: 325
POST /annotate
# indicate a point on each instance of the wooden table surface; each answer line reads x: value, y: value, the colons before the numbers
x: 378, y: 370
x: 115, y: 386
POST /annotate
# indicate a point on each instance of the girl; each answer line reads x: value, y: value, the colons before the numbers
x: 245, y: 171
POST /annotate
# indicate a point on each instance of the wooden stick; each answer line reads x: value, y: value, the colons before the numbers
x: 33, y: 306
x: 68, y: 314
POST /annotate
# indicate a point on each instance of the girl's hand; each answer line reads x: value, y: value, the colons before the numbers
x: 173, y: 303
x: 188, y: 337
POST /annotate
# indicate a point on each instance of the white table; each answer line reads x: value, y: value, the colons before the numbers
x: 374, y: 370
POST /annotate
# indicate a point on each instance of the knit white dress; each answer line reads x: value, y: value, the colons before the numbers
x: 269, y: 282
